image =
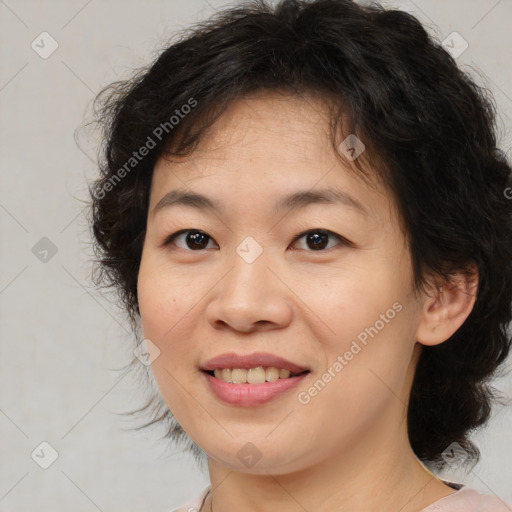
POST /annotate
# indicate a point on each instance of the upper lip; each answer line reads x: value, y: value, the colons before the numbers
x: 232, y: 360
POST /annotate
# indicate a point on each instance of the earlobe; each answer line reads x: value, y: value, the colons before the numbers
x: 445, y: 310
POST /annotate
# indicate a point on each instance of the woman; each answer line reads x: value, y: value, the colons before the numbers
x: 305, y: 213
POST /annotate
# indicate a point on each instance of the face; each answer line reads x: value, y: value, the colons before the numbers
x: 324, y: 284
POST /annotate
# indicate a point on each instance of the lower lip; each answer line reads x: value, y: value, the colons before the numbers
x: 251, y: 395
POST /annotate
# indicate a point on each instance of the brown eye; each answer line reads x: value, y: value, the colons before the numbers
x: 192, y: 239
x: 318, y: 239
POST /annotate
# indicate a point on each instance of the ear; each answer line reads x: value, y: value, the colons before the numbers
x: 445, y: 310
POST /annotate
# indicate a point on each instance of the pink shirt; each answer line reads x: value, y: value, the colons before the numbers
x: 463, y: 500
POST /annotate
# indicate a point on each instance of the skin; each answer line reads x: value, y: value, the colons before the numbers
x: 347, y: 449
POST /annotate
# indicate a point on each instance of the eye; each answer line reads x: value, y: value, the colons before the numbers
x: 317, y: 239
x: 194, y: 239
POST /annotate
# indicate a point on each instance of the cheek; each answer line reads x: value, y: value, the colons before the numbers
x: 360, y: 380
x: 163, y: 310
x: 371, y: 323
x: 164, y: 298
x: 376, y: 362
x: 350, y: 300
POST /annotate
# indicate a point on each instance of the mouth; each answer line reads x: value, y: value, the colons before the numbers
x: 255, y: 368
x: 245, y: 394
x: 251, y: 380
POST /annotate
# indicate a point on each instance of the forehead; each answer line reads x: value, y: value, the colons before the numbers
x: 266, y: 145
x: 282, y: 123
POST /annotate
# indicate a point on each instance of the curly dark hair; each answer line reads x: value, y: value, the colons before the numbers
x: 425, y: 120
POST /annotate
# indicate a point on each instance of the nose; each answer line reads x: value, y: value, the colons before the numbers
x: 250, y: 296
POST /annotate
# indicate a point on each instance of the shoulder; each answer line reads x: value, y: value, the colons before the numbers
x: 194, y: 505
x: 467, y: 499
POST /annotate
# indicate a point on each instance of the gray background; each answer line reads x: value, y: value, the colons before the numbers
x: 61, y: 341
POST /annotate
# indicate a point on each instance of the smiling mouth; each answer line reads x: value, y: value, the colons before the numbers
x: 257, y: 375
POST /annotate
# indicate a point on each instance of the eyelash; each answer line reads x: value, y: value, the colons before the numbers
x: 343, y: 241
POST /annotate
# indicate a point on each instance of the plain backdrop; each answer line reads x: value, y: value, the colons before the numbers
x: 61, y: 341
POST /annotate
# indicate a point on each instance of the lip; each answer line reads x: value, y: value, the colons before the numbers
x: 232, y: 360
x: 251, y: 395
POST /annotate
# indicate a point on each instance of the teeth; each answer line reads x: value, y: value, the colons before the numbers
x: 239, y: 375
x: 257, y: 375
x: 271, y: 374
x: 225, y: 375
x: 284, y: 374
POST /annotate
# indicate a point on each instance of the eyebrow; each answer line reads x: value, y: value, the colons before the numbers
x: 296, y: 200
